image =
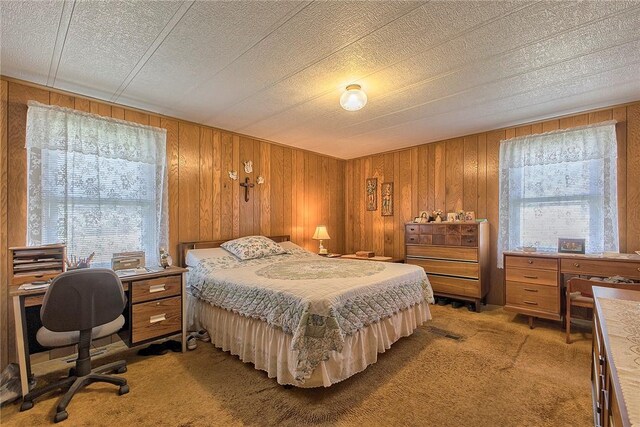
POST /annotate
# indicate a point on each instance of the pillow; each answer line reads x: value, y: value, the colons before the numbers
x: 194, y: 256
x: 252, y: 247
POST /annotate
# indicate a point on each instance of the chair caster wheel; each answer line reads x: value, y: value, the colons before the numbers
x: 26, y: 405
x: 121, y: 370
x: 124, y: 389
x: 61, y: 416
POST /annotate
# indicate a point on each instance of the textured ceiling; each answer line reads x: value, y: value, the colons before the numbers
x: 275, y: 70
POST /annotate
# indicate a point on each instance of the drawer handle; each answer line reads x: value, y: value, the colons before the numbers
x: 158, y: 318
x: 575, y: 264
x: 157, y: 288
x: 601, y: 360
x: 530, y: 261
x: 531, y: 303
x: 530, y: 277
x: 469, y: 240
x: 530, y: 290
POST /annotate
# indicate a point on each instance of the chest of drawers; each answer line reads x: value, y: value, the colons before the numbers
x: 455, y: 257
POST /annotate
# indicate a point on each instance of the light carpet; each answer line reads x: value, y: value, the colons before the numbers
x: 498, y: 373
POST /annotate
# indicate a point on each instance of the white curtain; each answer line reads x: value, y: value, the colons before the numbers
x: 559, y: 184
x: 96, y: 183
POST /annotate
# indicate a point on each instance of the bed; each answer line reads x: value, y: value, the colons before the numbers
x: 306, y: 320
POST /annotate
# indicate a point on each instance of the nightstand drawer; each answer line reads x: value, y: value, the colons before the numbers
x: 154, y: 319
x: 152, y: 289
x: 530, y: 275
x: 533, y: 297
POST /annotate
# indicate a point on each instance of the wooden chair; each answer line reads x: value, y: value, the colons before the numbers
x: 585, y: 298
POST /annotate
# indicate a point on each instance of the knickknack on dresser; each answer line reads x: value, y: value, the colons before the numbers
x: 455, y: 257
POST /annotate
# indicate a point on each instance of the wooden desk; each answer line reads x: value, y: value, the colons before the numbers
x: 156, y: 308
x: 534, y: 280
x: 614, y: 369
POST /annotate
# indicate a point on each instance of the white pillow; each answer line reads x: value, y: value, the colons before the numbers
x: 252, y: 247
x: 194, y: 256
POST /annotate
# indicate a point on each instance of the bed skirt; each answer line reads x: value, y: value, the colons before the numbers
x: 269, y: 349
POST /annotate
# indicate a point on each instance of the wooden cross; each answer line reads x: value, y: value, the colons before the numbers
x: 246, y: 184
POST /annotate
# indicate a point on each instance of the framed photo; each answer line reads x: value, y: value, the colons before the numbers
x: 386, y: 191
x: 416, y: 219
x: 452, y: 217
x: 571, y: 246
x: 372, y: 194
x: 424, y: 216
x: 470, y: 216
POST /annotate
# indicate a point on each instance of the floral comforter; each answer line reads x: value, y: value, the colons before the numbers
x: 317, y: 300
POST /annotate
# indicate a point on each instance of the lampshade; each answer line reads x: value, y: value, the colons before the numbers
x: 353, y: 98
x: 321, y: 233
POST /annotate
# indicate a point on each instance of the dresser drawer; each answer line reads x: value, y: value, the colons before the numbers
x: 412, y: 229
x: 154, y: 319
x: 533, y: 297
x: 469, y: 240
x: 463, y: 254
x: 531, y: 262
x: 146, y: 290
x: 438, y: 229
x: 468, y: 230
x: 450, y: 268
x: 455, y: 286
x: 452, y: 239
x: 606, y: 268
x: 530, y: 275
x: 412, y: 239
x: 453, y: 229
x: 426, y: 239
x: 425, y: 229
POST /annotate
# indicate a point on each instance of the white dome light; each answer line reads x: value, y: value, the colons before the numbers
x: 353, y: 98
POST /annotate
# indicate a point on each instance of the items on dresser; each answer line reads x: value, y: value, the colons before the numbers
x: 455, y: 257
x: 614, y: 366
x: 534, y: 281
x: 36, y: 263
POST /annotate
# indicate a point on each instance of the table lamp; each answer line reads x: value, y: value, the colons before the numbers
x: 321, y: 234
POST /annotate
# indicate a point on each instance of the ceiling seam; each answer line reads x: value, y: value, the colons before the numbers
x: 460, y: 34
x: 305, y: 67
x: 57, y: 52
x: 511, y: 95
x: 447, y: 73
x: 157, y: 42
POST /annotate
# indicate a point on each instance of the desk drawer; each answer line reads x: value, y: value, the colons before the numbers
x: 530, y: 275
x: 455, y: 286
x: 532, y: 262
x: 444, y: 252
x: 603, y: 268
x: 534, y: 297
x: 146, y: 290
x: 449, y: 268
x: 156, y: 318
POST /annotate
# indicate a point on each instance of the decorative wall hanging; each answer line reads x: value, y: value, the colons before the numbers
x: 247, y: 185
x: 372, y: 194
x: 233, y: 175
x: 387, y: 198
x: 248, y: 166
x: 260, y: 180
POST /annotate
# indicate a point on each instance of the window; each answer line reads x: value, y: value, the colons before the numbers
x: 559, y: 185
x: 98, y: 184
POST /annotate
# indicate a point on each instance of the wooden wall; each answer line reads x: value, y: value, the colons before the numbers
x: 302, y: 189
x: 462, y: 173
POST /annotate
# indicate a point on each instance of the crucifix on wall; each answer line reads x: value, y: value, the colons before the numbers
x: 247, y: 185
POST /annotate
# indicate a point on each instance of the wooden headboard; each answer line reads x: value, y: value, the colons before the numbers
x: 187, y: 246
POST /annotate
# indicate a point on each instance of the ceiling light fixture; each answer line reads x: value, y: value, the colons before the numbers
x: 353, y: 98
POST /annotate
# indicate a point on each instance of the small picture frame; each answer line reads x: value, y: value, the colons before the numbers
x: 571, y: 246
x: 416, y: 220
x: 452, y: 217
x: 424, y: 217
x: 470, y: 217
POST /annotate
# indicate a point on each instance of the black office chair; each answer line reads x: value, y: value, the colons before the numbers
x: 79, y: 306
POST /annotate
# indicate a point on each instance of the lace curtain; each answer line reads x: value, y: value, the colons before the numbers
x: 559, y: 185
x: 96, y: 183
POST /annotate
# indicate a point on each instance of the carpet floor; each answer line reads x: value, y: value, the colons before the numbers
x: 462, y: 368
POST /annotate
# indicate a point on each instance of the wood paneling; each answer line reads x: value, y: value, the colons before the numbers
x: 462, y: 173
x: 204, y: 203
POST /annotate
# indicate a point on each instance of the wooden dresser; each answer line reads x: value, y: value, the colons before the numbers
x: 455, y: 257
x: 534, y: 281
x: 614, y: 367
